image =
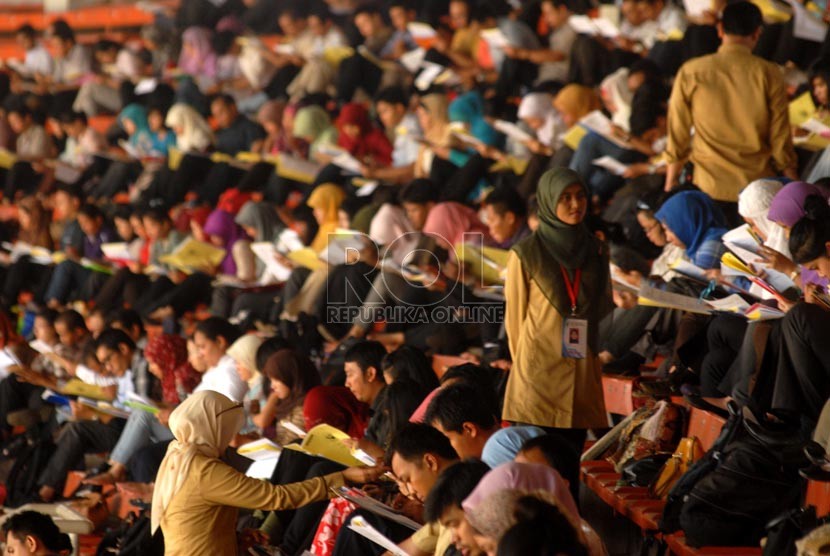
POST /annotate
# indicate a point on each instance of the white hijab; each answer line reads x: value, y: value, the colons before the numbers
x: 540, y: 105
x: 754, y: 202
x: 196, y: 133
x: 203, y: 425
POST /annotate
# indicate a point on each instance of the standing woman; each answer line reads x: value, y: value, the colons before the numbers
x: 557, y: 291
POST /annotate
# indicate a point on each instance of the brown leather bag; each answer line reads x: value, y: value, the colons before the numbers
x: 688, y: 451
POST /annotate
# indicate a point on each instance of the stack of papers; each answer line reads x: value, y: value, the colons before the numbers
x: 118, y: 252
x: 594, y: 27
x: 599, y: 123
x: 362, y: 528
x: 513, y: 131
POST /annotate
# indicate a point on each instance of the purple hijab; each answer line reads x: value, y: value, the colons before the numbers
x: 787, y: 206
x: 201, y: 60
x: 220, y: 223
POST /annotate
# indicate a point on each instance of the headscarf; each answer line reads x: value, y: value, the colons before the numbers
x: 371, y: 141
x: 39, y: 219
x: 437, y: 106
x: 297, y: 372
x: 787, y: 206
x: 554, y: 244
x: 540, y: 105
x: 576, y: 100
x: 243, y: 351
x: 448, y: 222
x: 389, y: 223
x: 469, y: 110
x: 203, y: 425
x: 693, y: 218
x: 335, y: 406
x: 169, y: 352
x: 137, y: 114
x: 311, y: 122
x: 326, y: 197
x: 221, y: 223
x: 522, y: 476
x: 195, y: 135
x: 504, y: 444
x: 202, y: 61
x: 262, y: 217
x: 754, y: 203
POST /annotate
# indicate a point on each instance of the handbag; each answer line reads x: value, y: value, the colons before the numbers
x: 688, y: 451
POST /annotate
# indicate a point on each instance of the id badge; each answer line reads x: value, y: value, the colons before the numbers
x: 575, y: 338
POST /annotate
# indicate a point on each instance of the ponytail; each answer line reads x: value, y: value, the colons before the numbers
x: 810, y: 234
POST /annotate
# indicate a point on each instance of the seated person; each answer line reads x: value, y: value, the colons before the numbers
x: 34, y: 533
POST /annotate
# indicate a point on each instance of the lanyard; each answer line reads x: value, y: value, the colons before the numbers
x: 572, y: 287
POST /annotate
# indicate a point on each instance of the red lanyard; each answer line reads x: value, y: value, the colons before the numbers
x: 572, y: 287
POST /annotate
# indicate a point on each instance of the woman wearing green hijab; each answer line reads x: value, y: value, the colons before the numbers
x: 557, y: 291
x: 313, y: 125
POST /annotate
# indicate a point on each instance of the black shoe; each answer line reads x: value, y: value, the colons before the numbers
x: 698, y: 402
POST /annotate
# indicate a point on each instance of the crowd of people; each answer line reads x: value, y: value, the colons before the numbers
x: 279, y: 233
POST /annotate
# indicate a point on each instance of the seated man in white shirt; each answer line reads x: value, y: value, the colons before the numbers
x: 118, y: 65
x: 37, y: 61
x: 92, y: 431
x: 402, y: 128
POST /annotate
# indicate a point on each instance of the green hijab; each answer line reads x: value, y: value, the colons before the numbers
x: 555, y: 245
x: 310, y: 122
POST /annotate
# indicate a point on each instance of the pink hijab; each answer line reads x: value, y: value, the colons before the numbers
x: 201, y: 59
x: 448, y: 222
x: 522, y: 476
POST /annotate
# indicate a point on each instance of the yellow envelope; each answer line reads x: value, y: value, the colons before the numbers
x: 327, y: 442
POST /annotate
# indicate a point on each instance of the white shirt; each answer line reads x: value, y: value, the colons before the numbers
x: 405, y: 147
x: 224, y: 379
x: 124, y: 383
x: 38, y: 60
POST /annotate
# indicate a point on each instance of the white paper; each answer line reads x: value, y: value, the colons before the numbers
x: 262, y: 469
x: 367, y: 188
x: 815, y: 126
x: 697, y: 8
x: 512, y: 130
x: 146, y: 85
x: 265, y: 252
x: 259, y: 450
x: 41, y: 347
x: 671, y: 300
x: 289, y: 241
x: 413, y: 59
x: 420, y: 30
x: 119, y: 251
x: 359, y: 526
x: 295, y: 165
x: 430, y: 72
x: 468, y: 139
x: 583, y: 24
x: 611, y: 164
x: 495, y: 37
x: 806, y: 24
x: 606, y: 28
x: 689, y: 269
x: 731, y: 304
x: 286, y: 49
x: 599, y: 123
x: 289, y: 426
x: 342, y: 249
x: 347, y: 162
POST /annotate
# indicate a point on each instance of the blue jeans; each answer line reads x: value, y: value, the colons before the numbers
x: 142, y: 430
x: 601, y: 182
x: 69, y: 276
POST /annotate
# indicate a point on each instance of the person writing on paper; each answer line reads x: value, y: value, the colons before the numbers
x: 575, y: 292
x: 168, y: 361
x: 391, y: 105
x: 692, y: 222
x: 754, y: 115
x: 292, y: 375
x: 196, y: 495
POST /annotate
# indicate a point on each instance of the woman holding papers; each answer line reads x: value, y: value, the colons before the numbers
x: 693, y: 222
x: 292, y: 375
x: 196, y: 495
x: 557, y: 281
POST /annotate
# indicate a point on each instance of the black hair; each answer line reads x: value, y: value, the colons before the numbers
x: 368, y: 9
x: 128, y: 319
x: 506, y: 199
x: 91, y: 211
x: 71, y: 117
x: 648, y: 104
x: 392, y: 95
x: 27, y: 30
x: 419, y: 191
x: 414, y: 440
x: 809, y: 236
x: 105, y: 45
x: 457, y: 404
x: 156, y: 214
x: 560, y: 454
x: 293, y: 11
x: 405, y: 4
x: 453, y: 486
x: 367, y: 353
x: 558, y: 3
x: 40, y: 526
x: 541, y: 528
x: 72, y: 319
x: 628, y: 259
x: 410, y: 363
x: 741, y: 19
x: 61, y: 29
x: 113, y: 339
x: 486, y: 377
x: 50, y: 315
x: 214, y: 328
x: 123, y: 212
x: 647, y: 67
x: 268, y: 348
x: 73, y: 190
x: 223, y: 41
x: 224, y: 98
x: 400, y: 400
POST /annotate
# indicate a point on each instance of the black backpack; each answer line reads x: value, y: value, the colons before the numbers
x: 132, y: 538
x: 24, y: 474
